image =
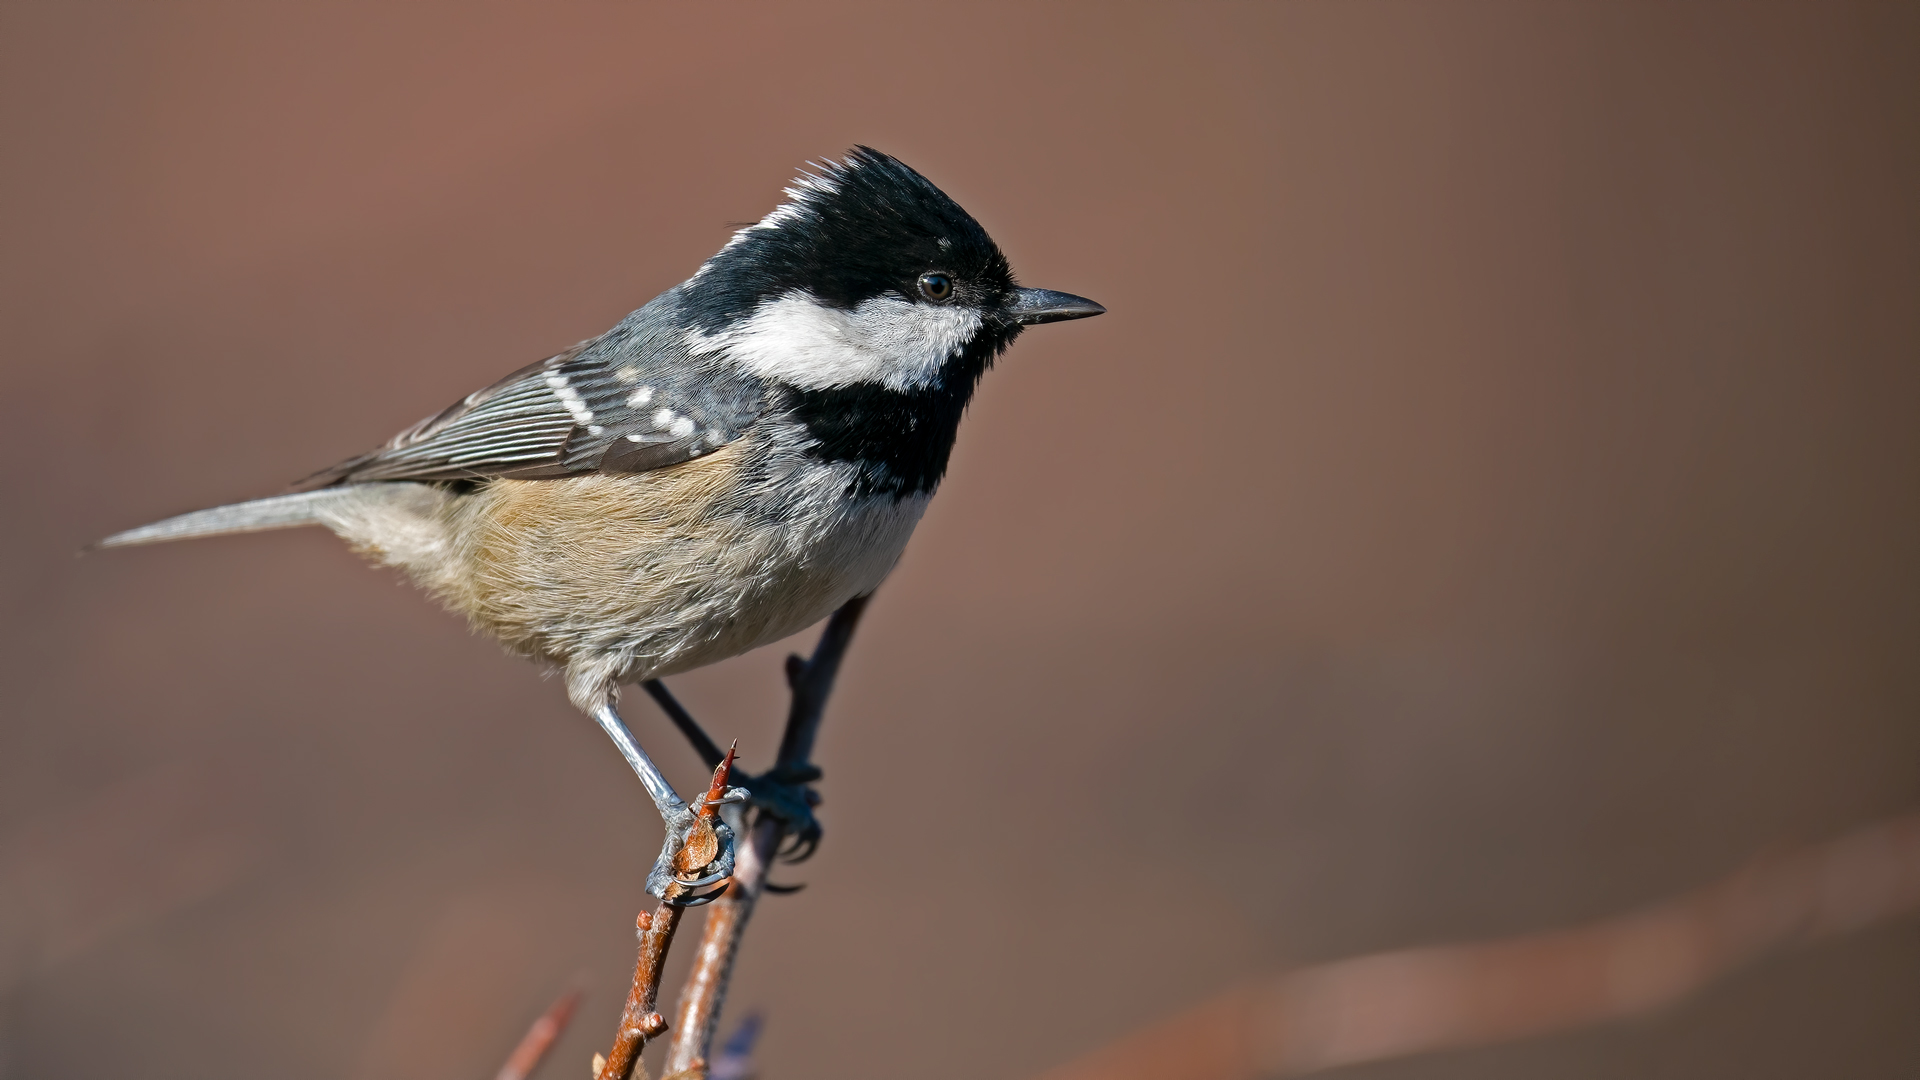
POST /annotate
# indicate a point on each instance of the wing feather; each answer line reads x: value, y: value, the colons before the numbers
x: 631, y: 400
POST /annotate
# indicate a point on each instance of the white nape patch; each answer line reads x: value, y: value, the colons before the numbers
x: 807, y: 188
x: 569, y: 399
x: 888, y: 340
x: 640, y: 397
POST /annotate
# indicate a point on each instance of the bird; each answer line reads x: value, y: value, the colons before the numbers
x: 726, y: 466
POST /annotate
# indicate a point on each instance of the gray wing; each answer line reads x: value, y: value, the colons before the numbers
x: 629, y: 401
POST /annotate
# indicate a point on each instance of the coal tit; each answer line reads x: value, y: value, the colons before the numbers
x: 723, y: 468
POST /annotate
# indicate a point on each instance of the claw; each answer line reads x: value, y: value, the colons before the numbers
x: 802, y: 848
x: 782, y: 793
x: 697, y: 851
x: 705, y: 898
x: 702, y: 882
x: 693, y: 854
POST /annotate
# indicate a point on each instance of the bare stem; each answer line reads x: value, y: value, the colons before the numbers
x: 1449, y: 997
x: 706, y: 990
x: 706, y: 986
x: 539, y: 1038
x: 640, y: 1021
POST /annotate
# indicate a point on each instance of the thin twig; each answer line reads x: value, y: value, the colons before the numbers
x: 706, y: 989
x: 539, y: 1038
x: 1413, y: 1001
x: 735, y: 1060
x: 639, y: 1021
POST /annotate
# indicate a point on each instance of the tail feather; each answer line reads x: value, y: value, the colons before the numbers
x: 275, y: 512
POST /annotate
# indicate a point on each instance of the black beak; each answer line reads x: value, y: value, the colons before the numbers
x: 1030, y: 306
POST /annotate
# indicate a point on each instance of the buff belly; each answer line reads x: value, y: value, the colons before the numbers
x: 623, y: 578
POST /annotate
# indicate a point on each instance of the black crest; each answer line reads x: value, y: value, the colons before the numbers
x: 854, y: 230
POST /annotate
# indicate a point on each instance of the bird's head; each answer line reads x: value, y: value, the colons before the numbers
x: 867, y: 275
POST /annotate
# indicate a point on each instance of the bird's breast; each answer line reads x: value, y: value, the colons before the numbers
x: 677, y: 567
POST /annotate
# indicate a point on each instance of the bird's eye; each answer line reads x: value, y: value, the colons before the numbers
x: 936, y: 287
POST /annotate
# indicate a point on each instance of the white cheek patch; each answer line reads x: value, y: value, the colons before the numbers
x: 887, y: 340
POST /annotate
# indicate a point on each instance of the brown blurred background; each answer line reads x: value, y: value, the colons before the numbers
x: 1491, y: 503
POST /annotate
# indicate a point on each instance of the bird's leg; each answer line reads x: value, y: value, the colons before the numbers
x: 703, y: 743
x: 810, y: 680
x: 697, y: 853
x: 782, y: 792
x: 785, y: 792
